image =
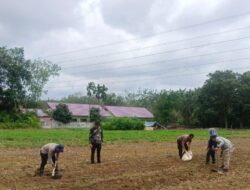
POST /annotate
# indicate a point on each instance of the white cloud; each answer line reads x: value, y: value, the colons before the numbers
x: 55, y: 27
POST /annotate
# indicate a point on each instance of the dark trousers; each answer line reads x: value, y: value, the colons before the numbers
x: 179, y: 145
x: 44, y: 159
x: 98, y: 147
x: 211, y: 153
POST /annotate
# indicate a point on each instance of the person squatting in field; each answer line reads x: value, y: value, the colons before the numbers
x: 184, y: 143
x: 49, y: 152
x: 95, y: 141
x: 226, y: 147
x: 211, y: 146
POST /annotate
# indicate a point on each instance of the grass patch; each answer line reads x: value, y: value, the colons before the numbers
x: 24, y: 138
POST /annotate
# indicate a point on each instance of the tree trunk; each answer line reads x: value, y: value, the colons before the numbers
x: 226, y: 121
x: 241, y: 123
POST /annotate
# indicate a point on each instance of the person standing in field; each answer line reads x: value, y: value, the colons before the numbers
x: 95, y: 141
x: 184, y: 143
x: 49, y: 152
x: 227, y: 148
x: 211, y: 146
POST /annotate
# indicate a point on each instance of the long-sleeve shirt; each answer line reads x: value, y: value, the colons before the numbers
x: 49, y: 149
x: 224, y: 143
x: 96, y: 135
x: 211, y: 144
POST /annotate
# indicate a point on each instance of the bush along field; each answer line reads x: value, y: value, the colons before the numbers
x: 123, y: 124
x: 18, y: 120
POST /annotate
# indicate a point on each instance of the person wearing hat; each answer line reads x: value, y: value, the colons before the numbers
x: 226, y: 147
x: 49, y: 152
x: 211, y: 146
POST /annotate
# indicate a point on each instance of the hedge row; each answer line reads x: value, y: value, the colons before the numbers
x: 18, y: 120
x: 123, y: 124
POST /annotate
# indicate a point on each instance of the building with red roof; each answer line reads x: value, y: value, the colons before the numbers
x: 80, y: 112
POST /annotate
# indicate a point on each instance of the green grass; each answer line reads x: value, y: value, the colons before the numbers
x: 23, y: 138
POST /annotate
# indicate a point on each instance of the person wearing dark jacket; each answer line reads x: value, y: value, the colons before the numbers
x: 211, y: 146
x: 95, y: 141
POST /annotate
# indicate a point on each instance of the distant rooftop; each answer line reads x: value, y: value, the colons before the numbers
x: 106, y: 111
x: 80, y: 109
x: 121, y: 111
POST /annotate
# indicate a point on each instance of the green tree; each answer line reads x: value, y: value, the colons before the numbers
x: 20, y: 79
x: 242, y: 106
x: 41, y: 71
x: 143, y: 98
x: 98, y: 91
x: 14, y: 76
x: 62, y: 113
x: 189, y: 107
x: 91, y: 89
x: 79, y: 98
x: 167, y: 109
x: 113, y: 100
x: 94, y: 114
x: 219, y: 93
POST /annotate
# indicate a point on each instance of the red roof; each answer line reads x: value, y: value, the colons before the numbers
x: 119, y: 111
x: 116, y: 111
x: 80, y: 109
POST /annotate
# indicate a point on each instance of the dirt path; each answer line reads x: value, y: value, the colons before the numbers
x: 152, y: 166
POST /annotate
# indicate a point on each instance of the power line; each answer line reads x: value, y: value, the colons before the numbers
x: 158, y: 53
x: 169, y: 60
x: 177, y: 67
x: 153, y: 78
x: 155, y: 45
x: 147, y: 36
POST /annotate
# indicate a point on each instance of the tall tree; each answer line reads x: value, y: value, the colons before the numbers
x: 99, y: 91
x: 189, y: 107
x: 41, y: 71
x: 242, y: 106
x: 21, y: 79
x: 220, y: 92
x: 14, y: 77
x: 167, y: 109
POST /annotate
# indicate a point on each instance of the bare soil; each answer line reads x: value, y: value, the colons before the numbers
x: 144, y: 166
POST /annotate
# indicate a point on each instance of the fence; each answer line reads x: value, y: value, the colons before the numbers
x: 54, y: 124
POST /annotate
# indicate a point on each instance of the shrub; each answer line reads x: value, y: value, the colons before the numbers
x: 94, y: 114
x: 123, y: 124
x: 62, y: 113
x: 18, y: 120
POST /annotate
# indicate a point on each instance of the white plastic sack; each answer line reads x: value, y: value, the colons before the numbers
x: 187, y: 156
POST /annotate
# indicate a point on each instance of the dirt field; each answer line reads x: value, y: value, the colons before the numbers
x: 153, y: 166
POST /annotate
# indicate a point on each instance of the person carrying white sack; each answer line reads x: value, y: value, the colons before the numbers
x: 227, y: 148
x: 184, y: 143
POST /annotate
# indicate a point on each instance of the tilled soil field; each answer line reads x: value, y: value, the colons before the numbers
x: 149, y: 165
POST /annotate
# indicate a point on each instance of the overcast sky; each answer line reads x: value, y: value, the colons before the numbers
x: 129, y: 44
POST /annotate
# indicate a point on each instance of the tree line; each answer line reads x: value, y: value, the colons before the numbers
x: 222, y: 101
